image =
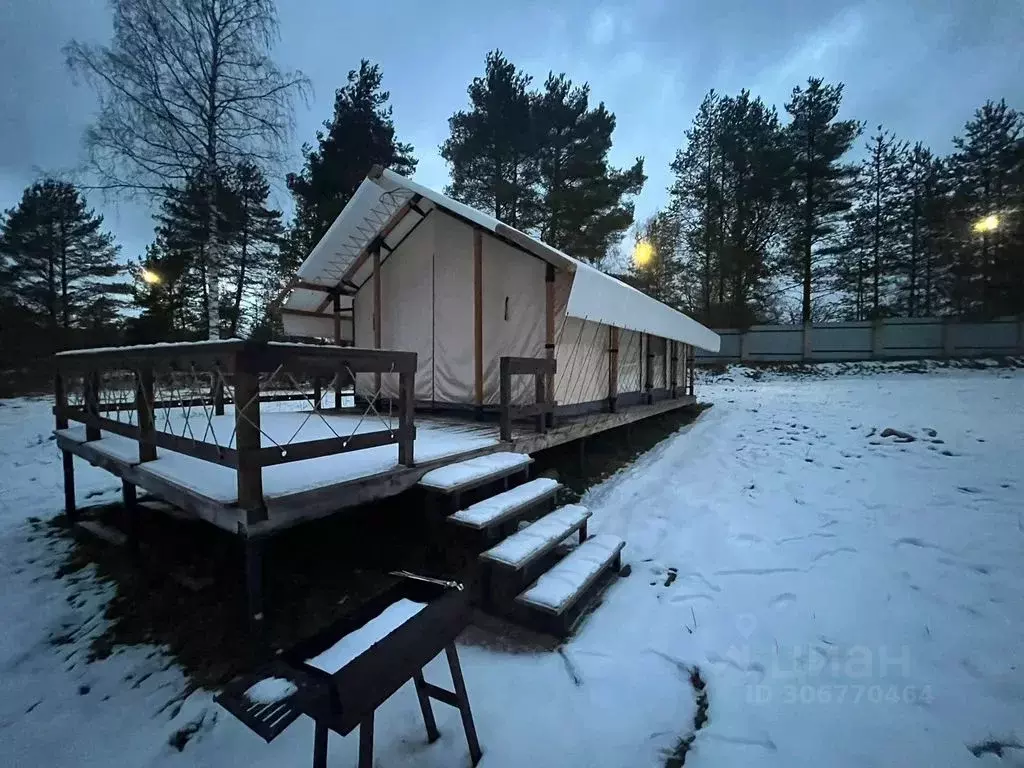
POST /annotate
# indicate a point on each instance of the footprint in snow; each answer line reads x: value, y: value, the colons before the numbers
x: 783, y: 600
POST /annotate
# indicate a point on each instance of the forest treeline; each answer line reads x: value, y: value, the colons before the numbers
x: 774, y: 214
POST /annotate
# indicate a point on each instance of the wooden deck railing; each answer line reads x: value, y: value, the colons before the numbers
x: 542, y: 369
x: 137, y: 383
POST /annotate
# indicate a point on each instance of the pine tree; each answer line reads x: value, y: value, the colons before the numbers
x: 583, y: 210
x: 988, y: 171
x: 492, y: 149
x: 875, y: 229
x: 253, y: 233
x: 922, y: 273
x: 62, y: 263
x: 359, y: 135
x: 822, y: 185
x: 730, y: 194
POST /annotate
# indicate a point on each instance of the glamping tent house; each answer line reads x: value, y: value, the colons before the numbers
x: 406, y: 268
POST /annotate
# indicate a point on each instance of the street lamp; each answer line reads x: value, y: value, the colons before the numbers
x: 986, y: 224
x: 150, y: 277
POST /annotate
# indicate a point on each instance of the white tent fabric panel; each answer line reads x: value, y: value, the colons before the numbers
x: 659, y: 370
x: 454, y: 374
x: 406, y: 307
x: 581, y: 353
x: 513, y: 315
x: 630, y: 370
x: 362, y: 316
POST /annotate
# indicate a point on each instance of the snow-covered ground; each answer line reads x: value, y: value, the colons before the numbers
x: 849, y: 599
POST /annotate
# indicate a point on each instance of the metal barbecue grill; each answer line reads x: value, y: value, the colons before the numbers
x: 348, y: 697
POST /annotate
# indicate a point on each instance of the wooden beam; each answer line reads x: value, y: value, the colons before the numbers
x: 376, y: 311
x: 549, y: 326
x: 311, y: 313
x: 613, y: 367
x: 144, y: 406
x: 478, y: 316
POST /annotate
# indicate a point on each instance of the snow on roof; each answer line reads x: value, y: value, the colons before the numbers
x: 388, y: 205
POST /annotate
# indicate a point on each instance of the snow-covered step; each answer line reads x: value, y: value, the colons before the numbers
x: 558, y: 590
x: 537, y: 539
x: 475, y: 472
x: 505, y: 506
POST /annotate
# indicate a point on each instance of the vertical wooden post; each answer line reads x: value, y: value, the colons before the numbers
x: 406, y: 416
x: 247, y: 443
x: 376, y: 311
x: 540, y: 380
x: 60, y: 397
x: 674, y: 365
x: 648, y: 369
x: 318, y: 392
x: 92, y: 403
x: 613, y: 368
x: 549, y: 334
x: 462, y: 695
x: 337, y: 340
x: 425, y: 708
x: 69, y: 485
x: 692, y: 359
x: 505, y: 399
x: 131, y: 511
x: 144, y: 407
x: 254, y: 582
x: 478, y: 319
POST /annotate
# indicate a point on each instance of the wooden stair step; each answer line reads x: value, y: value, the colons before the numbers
x: 474, y: 472
x: 561, y: 587
x: 504, y: 506
x: 537, y: 539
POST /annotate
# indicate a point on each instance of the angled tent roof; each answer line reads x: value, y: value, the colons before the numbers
x: 387, y: 206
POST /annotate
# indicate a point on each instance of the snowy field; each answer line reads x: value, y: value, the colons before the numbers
x: 849, y: 599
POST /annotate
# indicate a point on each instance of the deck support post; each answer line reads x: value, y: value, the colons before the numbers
x: 60, y: 397
x: 69, y: 486
x: 129, y: 498
x: 318, y: 393
x: 218, y: 396
x: 505, y: 398
x: 613, y: 368
x: 478, y: 321
x: 254, y: 582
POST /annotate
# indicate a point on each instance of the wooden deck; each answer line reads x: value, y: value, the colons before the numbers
x: 311, y: 488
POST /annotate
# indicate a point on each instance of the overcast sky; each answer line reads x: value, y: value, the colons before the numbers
x: 920, y: 67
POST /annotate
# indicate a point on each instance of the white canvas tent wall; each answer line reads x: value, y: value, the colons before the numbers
x: 426, y: 243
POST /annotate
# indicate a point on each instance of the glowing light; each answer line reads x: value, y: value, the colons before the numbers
x: 150, y: 277
x: 989, y: 223
x: 643, y: 253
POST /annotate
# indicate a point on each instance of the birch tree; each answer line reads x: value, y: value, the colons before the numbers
x: 186, y: 90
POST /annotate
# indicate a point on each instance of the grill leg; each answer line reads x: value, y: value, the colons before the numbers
x: 366, y: 742
x: 320, y: 745
x: 69, y: 486
x: 463, y: 697
x: 425, y: 708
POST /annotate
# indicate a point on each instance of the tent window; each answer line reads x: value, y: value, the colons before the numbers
x: 506, y: 309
